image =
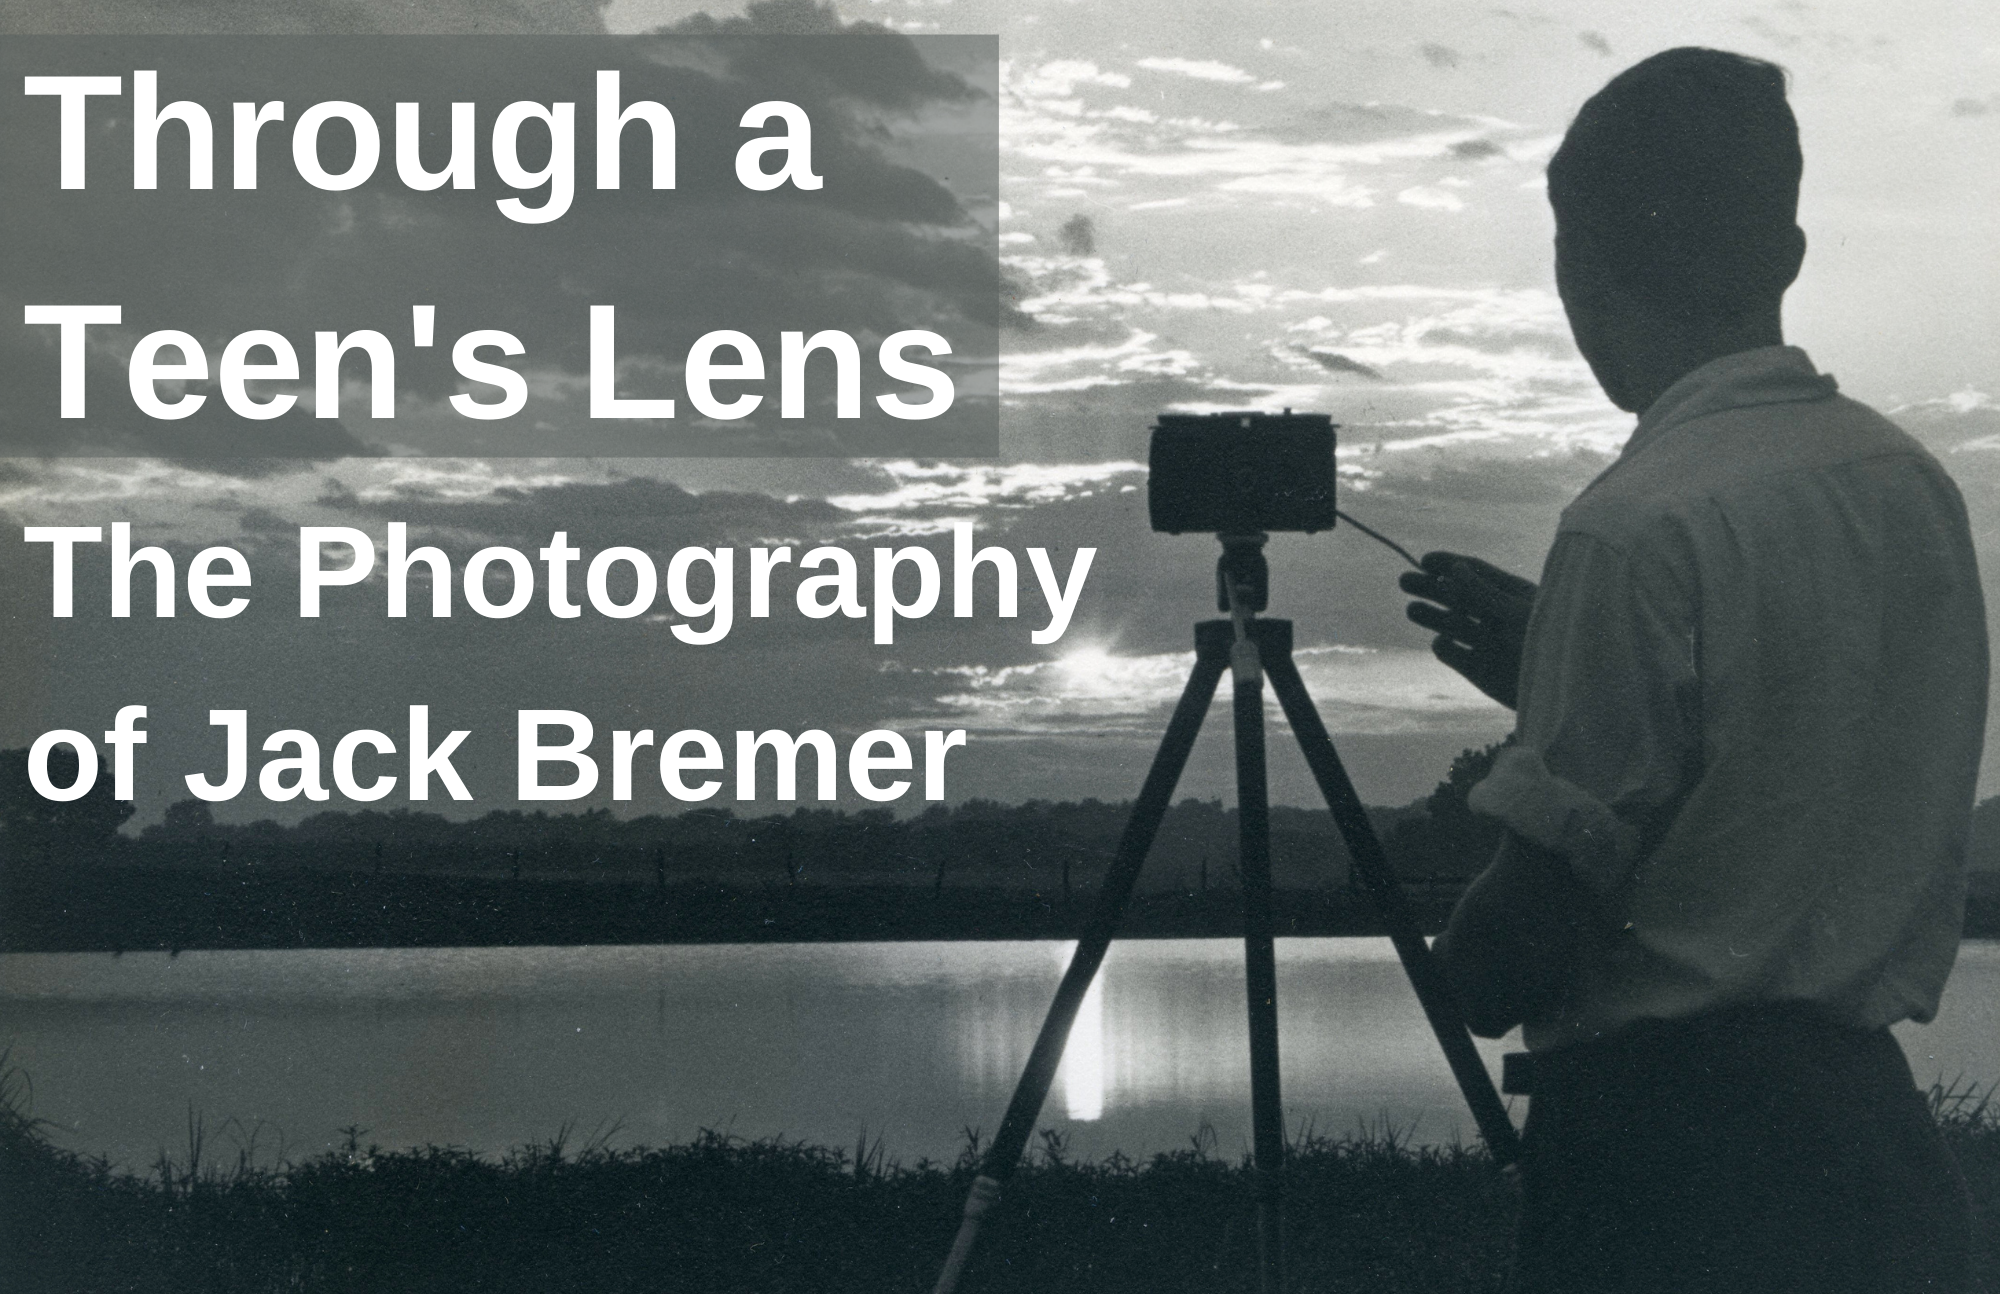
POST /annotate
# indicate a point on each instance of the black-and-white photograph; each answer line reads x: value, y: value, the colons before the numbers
x: 999, y: 645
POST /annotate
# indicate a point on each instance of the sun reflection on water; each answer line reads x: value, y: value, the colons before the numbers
x: 1083, y: 1070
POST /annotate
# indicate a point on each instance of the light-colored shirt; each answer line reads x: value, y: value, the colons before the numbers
x: 1751, y: 707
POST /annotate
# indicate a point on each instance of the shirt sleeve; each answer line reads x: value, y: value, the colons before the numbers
x: 1608, y: 735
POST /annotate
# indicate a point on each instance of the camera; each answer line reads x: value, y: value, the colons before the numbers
x: 1241, y: 473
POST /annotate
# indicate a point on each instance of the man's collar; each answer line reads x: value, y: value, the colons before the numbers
x: 1767, y: 375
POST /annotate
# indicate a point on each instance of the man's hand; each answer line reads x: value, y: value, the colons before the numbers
x: 1510, y: 948
x: 1481, y: 619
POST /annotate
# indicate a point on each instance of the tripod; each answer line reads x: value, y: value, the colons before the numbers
x: 1249, y: 648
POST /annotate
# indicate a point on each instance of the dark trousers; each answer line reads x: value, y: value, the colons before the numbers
x: 1758, y: 1150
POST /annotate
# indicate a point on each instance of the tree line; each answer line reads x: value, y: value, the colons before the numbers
x: 1039, y: 843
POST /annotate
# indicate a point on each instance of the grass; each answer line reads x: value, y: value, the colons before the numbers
x: 721, y: 1214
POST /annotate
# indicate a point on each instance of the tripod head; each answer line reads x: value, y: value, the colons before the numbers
x: 1243, y: 567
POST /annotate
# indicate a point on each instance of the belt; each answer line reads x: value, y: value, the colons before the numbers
x: 1521, y: 1072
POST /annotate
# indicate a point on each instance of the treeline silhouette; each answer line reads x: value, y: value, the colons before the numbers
x: 70, y: 879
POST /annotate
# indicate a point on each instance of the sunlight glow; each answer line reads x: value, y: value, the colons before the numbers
x: 1083, y: 1068
x: 1088, y: 666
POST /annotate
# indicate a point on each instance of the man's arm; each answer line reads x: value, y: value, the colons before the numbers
x: 1608, y: 740
x: 1511, y: 942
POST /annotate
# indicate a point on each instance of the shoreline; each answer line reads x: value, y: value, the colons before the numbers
x: 129, y: 909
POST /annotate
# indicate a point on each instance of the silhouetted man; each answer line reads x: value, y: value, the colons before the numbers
x: 1751, y: 692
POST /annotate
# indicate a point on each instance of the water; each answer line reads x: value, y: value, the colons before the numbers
x: 494, y: 1047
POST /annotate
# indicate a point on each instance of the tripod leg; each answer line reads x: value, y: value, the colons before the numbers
x: 1211, y: 656
x: 1365, y: 849
x: 1267, y: 1116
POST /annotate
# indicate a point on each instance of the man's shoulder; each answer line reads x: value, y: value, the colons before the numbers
x: 1736, y: 461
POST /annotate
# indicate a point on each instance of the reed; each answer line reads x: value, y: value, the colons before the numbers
x: 1371, y: 1210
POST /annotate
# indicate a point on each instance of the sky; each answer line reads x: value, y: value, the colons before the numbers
x: 1332, y: 207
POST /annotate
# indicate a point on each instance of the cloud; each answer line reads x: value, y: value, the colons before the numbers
x: 1091, y: 690
x: 929, y: 497
x: 1352, y: 123
x: 302, y: 17
x: 1058, y: 79
x: 1333, y: 362
x: 770, y: 17
x: 1198, y: 69
x: 884, y: 246
x: 1431, y: 198
x: 1963, y: 401
x: 1138, y: 358
x: 1455, y: 365
x: 885, y: 73
x: 1062, y: 127
x: 1078, y: 235
x: 656, y: 515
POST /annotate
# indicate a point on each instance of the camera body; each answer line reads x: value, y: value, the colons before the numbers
x: 1241, y: 473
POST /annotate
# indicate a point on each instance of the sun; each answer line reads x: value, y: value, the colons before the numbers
x: 1088, y: 665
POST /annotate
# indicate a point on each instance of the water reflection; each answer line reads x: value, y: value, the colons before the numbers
x: 490, y: 1048
x: 1083, y: 1073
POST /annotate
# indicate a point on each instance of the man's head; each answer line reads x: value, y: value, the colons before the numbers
x: 1676, y: 197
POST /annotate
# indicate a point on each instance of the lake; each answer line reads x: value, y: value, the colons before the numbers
x: 493, y: 1047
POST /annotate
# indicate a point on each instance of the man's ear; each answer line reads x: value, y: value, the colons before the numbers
x: 1792, y: 254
